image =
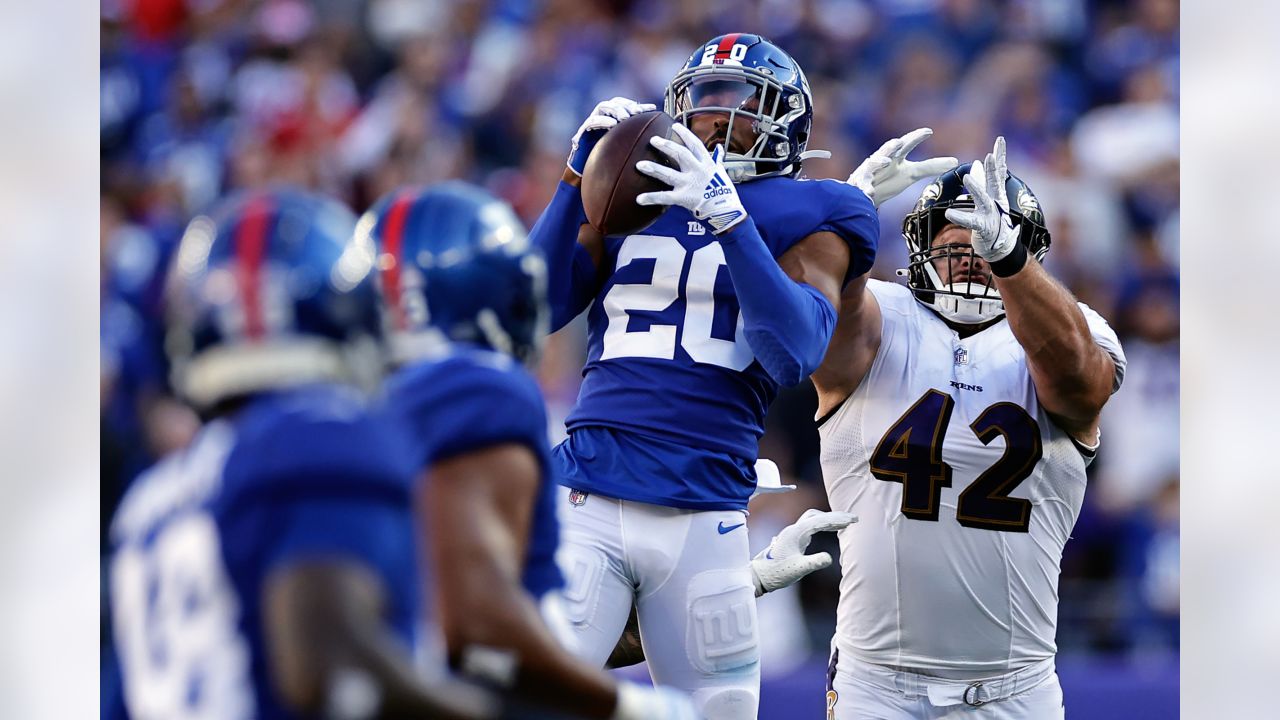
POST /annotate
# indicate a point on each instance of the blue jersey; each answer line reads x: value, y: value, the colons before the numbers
x: 292, y: 476
x: 470, y: 399
x: 673, y: 401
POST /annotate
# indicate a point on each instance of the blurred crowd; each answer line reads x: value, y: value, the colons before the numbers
x: 354, y: 97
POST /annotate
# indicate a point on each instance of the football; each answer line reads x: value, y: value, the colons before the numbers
x: 610, y: 182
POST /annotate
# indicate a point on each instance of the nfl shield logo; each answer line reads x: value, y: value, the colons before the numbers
x: 577, y: 498
x: 962, y: 356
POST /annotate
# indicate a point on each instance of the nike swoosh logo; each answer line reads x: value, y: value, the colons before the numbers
x: 731, y: 528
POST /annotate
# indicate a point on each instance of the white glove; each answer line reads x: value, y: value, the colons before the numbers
x: 784, y: 561
x: 994, y: 234
x: 701, y: 185
x: 637, y: 702
x: 888, y: 171
x: 605, y: 115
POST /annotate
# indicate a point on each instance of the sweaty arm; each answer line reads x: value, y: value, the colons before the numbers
x: 1073, y: 375
x: 789, y: 304
x: 479, y: 505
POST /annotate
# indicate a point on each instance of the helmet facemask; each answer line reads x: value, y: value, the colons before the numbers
x: 744, y: 92
x: 966, y: 302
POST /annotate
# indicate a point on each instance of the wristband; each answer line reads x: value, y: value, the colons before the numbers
x: 1010, y: 264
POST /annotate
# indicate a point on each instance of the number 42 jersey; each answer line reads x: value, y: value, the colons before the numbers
x: 673, y: 401
x: 966, y: 492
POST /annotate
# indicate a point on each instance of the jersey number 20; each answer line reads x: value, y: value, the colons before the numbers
x: 659, y: 341
x: 911, y: 453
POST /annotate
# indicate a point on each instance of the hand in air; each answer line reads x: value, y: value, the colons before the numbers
x: 994, y: 234
x: 784, y: 561
x: 700, y: 185
x: 604, y: 116
x: 888, y: 171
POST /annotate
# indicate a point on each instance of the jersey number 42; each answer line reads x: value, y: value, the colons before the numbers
x: 911, y: 453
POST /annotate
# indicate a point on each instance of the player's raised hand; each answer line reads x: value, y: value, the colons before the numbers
x: 995, y: 236
x: 784, y: 561
x: 700, y: 185
x: 637, y: 702
x: 604, y: 116
x: 888, y: 171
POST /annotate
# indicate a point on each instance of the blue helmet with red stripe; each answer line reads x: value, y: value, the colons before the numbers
x: 456, y: 264
x: 745, y: 76
x: 271, y: 289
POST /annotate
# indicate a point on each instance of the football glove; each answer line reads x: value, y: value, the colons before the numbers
x: 888, y: 172
x: 701, y: 185
x: 784, y: 561
x: 604, y: 116
x: 995, y: 237
x: 637, y: 702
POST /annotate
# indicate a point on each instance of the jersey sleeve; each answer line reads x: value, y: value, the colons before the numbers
x: 1107, y: 340
x: 489, y: 400
x: 852, y: 216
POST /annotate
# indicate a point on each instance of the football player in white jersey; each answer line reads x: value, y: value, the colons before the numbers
x: 957, y: 416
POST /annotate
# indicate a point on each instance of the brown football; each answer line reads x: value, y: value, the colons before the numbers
x: 610, y: 182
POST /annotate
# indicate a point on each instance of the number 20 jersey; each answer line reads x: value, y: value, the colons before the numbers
x: 669, y: 372
x: 959, y: 579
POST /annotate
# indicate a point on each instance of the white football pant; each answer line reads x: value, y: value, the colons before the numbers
x: 687, y: 573
x: 861, y: 691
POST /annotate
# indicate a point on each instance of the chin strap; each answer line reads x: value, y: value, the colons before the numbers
x: 815, y: 154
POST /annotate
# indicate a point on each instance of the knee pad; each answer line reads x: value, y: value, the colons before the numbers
x: 721, y: 636
x: 727, y: 703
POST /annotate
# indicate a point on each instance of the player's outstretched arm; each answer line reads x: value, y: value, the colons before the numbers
x: 332, y: 656
x: 853, y: 347
x: 571, y: 247
x: 789, y: 304
x: 783, y: 563
x: 478, y: 507
x: 1073, y: 375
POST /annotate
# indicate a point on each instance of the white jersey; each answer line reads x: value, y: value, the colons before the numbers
x: 965, y: 492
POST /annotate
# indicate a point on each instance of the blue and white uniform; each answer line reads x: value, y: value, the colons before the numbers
x: 659, y: 463
x: 292, y: 476
x: 468, y: 399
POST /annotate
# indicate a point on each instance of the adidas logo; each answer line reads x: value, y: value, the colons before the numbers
x: 717, y: 186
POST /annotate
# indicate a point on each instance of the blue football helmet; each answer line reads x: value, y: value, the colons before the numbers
x: 271, y: 289
x: 456, y: 264
x: 965, y: 302
x: 744, y: 75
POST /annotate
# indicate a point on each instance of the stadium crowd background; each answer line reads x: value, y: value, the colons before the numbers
x: 202, y: 97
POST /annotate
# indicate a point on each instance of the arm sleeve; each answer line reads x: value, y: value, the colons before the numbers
x: 571, y: 276
x: 357, y: 527
x: 787, y: 323
x: 852, y: 216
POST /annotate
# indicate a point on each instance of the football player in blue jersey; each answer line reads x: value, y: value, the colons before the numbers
x: 268, y: 569
x: 697, y: 321
x: 464, y: 298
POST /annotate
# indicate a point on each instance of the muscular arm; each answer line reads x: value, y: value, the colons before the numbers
x: 478, y: 506
x: 323, y: 620
x: 1073, y: 376
x: 853, y: 347
x: 788, y: 306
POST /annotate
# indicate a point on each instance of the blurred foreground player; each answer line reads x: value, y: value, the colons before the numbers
x: 464, y: 297
x: 268, y: 570
x: 958, y: 415
x: 695, y: 324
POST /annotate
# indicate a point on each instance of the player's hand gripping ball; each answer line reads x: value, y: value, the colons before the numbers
x: 610, y: 182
